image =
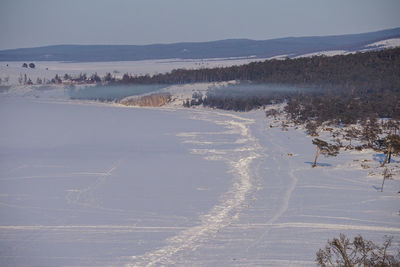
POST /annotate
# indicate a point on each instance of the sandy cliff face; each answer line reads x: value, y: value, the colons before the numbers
x: 154, y: 100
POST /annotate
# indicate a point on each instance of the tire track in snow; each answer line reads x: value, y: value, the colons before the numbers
x: 231, y: 203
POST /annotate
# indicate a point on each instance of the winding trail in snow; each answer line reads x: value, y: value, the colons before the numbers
x: 284, y: 199
x: 231, y: 202
x: 270, y: 206
x: 281, y: 210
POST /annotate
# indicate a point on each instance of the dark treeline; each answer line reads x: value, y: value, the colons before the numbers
x: 346, y: 88
x: 362, y: 70
x: 331, y: 104
x: 342, y: 106
x: 243, y: 96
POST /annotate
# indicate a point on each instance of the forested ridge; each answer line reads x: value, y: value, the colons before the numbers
x: 346, y: 88
x: 367, y: 70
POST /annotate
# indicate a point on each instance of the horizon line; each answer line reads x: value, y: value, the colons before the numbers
x: 201, y: 42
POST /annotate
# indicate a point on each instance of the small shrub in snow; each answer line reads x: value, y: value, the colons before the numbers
x: 312, y: 128
x: 341, y: 252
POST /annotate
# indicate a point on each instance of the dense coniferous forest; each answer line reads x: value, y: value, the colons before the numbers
x: 370, y: 69
x: 346, y: 88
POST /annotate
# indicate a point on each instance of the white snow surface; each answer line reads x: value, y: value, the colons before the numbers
x: 329, y: 53
x: 91, y: 184
x: 383, y: 44
x: 48, y: 69
x: 388, y: 43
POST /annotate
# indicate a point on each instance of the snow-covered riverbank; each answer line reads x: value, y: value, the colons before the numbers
x: 99, y: 184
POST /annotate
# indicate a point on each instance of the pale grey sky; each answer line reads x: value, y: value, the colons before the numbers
x: 29, y: 23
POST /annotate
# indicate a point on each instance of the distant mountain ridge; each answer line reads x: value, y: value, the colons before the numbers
x: 230, y: 48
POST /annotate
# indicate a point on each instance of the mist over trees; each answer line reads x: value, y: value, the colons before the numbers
x: 341, y: 90
x: 346, y: 88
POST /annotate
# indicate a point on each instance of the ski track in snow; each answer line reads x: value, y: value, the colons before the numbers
x: 282, y: 209
x: 243, y: 150
x: 231, y: 203
x: 326, y: 226
x: 85, y: 197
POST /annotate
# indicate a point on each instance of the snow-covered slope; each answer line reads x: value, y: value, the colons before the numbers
x: 325, y: 53
x: 383, y: 44
x: 388, y: 43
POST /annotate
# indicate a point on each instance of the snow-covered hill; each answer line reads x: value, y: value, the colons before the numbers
x: 234, y: 48
x: 388, y: 43
x: 383, y: 44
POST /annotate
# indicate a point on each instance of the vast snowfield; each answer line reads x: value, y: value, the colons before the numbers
x: 92, y: 184
x: 89, y: 184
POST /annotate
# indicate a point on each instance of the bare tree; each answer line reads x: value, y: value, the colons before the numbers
x: 312, y: 128
x: 371, y: 131
x: 392, y: 142
x: 325, y: 149
x: 351, y: 134
x: 391, y: 126
x: 341, y: 252
x: 20, y: 79
x: 386, y: 175
x: 272, y: 113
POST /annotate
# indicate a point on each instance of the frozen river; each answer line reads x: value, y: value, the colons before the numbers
x: 89, y: 183
x: 86, y: 184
